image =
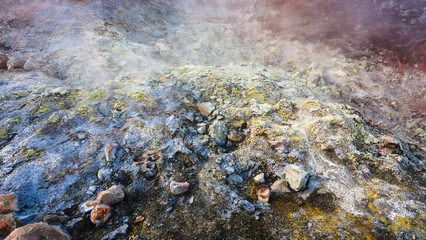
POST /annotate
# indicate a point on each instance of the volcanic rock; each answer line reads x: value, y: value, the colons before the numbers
x: 206, y: 108
x: 296, y: 177
x: 38, y: 231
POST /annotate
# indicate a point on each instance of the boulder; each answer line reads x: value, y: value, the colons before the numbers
x: 296, y: 177
x: 111, y: 196
x: 38, y: 231
x: 31, y: 65
x: 8, y: 203
x: 178, y: 187
x: 15, y: 63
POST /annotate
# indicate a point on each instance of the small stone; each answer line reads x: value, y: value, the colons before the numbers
x: 139, y: 219
x: 299, y: 203
x: 108, y: 152
x: 111, y: 196
x: 87, y: 206
x: 199, y: 119
x: 104, y: 173
x: 296, y: 177
x: 202, y: 128
x: 246, y: 205
x: 38, y: 231
x: 259, y: 178
x: 234, y: 136
x: 263, y: 195
x: 149, y: 170
x: 178, y: 187
x: 3, y: 61
x: 8, y: 203
x: 206, y: 108
x: 100, y: 214
x: 280, y: 186
x: 8, y: 223
x: 31, y: 65
x: 121, y: 231
x: 218, y: 131
x: 190, y: 116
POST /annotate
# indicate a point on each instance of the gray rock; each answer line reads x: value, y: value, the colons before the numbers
x: 218, y: 132
x: 121, y: 231
x: 259, y: 178
x: 104, y: 173
x: 296, y: 177
x: 15, y: 63
x: 31, y: 65
x: 61, y: 91
x: 280, y: 186
x: 178, y: 187
x: 202, y: 128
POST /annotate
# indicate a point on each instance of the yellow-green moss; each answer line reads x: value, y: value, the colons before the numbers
x: 141, y: 97
x: 256, y: 95
x: 53, y: 120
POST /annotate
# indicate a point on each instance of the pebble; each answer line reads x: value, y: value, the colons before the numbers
x: 280, y: 186
x: 8, y: 223
x: 100, y: 214
x: 263, y: 195
x: 206, y: 108
x: 111, y: 196
x: 149, y: 170
x: 260, y: 178
x: 190, y: 116
x: 296, y: 177
x: 178, y: 187
x: 199, y: 119
x: 202, y: 128
x: 139, y: 219
x: 8, y: 203
x: 38, y: 231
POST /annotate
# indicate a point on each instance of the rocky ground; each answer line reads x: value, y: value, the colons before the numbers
x: 123, y: 126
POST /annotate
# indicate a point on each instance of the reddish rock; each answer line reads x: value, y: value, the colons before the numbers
x: 206, y: 108
x: 8, y: 203
x: 8, y: 223
x: 263, y: 195
x: 111, y: 196
x: 100, y: 214
x: 38, y: 231
x: 139, y: 219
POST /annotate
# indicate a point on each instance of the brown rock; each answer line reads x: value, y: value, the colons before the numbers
x: 280, y: 186
x: 139, y: 219
x: 100, y: 214
x: 263, y: 195
x: 38, y: 231
x: 8, y: 203
x: 53, y: 218
x: 206, y: 108
x: 8, y: 223
x: 3, y: 61
x: 111, y: 196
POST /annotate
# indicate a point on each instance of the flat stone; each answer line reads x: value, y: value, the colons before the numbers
x: 38, y: 231
x: 8, y: 203
x: 121, y: 231
x: 111, y: 196
x: 8, y: 223
x: 100, y: 214
x: 206, y: 108
x: 280, y: 186
x: 296, y: 177
x: 178, y: 187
